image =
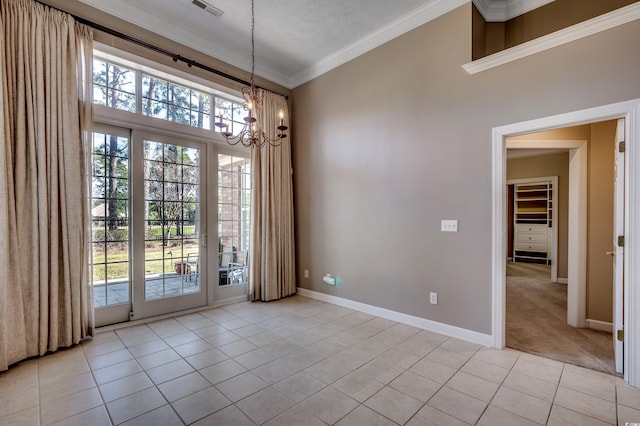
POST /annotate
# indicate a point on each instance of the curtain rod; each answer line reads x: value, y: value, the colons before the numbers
x: 176, y: 57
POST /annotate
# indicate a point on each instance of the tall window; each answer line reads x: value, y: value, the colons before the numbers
x: 234, y: 203
x: 110, y: 219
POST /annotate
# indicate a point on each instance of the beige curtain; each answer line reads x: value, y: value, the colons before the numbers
x: 45, y: 298
x: 272, y: 254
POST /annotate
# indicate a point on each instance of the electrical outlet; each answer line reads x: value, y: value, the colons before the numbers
x: 306, y: 273
x: 449, y: 225
x: 433, y: 298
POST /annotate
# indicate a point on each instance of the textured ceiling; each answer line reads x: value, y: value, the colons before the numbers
x: 296, y: 40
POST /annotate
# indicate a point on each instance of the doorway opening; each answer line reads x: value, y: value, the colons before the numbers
x: 627, y: 297
x: 558, y: 305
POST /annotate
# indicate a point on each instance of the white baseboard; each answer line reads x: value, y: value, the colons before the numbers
x: 563, y: 281
x: 434, y: 326
x: 600, y: 325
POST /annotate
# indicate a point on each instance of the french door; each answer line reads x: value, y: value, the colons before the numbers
x: 169, y: 202
x: 148, y: 210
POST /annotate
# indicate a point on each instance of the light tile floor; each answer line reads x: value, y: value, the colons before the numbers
x: 302, y: 362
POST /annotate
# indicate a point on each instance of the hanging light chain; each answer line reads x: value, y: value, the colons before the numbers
x: 253, y: 43
x: 252, y: 135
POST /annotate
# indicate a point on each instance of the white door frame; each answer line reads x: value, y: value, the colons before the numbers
x: 554, y: 214
x: 630, y: 110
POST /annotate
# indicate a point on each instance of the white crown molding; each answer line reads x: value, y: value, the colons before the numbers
x: 503, y: 10
x: 520, y: 7
x: 575, y: 32
x: 420, y: 16
x: 124, y: 10
x: 425, y: 324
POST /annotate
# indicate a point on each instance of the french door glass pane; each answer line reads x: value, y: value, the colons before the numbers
x: 234, y: 190
x: 110, y: 220
x: 172, y: 220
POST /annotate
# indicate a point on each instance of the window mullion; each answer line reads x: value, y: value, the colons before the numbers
x: 138, y: 92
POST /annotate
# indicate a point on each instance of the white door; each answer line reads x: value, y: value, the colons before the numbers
x: 169, y: 244
x: 618, y: 247
x: 110, y: 224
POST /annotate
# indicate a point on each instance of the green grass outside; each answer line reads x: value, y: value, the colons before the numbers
x: 118, y: 266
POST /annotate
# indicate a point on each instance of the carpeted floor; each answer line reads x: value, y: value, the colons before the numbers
x: 537, y: 321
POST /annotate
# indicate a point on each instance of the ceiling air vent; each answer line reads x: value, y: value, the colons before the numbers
x: 206, y: 6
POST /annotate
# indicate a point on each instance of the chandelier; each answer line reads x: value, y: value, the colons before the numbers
x: 252, y: 133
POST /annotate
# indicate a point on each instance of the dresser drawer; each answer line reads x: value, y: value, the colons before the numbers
x: 532, y: 238
x: 539, y: 247
x: 531, y: 229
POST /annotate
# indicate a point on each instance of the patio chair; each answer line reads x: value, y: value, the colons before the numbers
x: 226, y: 259
x: 192, y: 262
x: 238, y: 270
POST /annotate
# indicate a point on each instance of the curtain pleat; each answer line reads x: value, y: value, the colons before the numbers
x: 272, y: 252
x: 46, y: 103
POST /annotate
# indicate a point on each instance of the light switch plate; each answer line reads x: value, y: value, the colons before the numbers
x: 449, y: 225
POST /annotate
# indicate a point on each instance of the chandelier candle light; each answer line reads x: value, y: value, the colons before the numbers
x: 252, y: 133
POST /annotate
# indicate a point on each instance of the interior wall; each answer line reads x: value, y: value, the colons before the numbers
x: 549, y: 165
x: 388, y: 144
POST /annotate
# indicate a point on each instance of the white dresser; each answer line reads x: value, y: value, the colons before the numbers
x: 533, y: 236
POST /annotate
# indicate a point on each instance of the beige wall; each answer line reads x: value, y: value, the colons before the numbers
x: 392, y: 142
x: 549, y: 165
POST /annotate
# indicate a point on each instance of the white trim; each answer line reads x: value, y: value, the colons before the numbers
x: 575, y: 32
x: 630, y: 110
x: 577, y: 242
x: 430, y: 11
x: 632, y: 247
x: 503, y: 10
x: 600, y: 325
x: 554, y: 214
x: 563, y: 281
x: 436, y: 327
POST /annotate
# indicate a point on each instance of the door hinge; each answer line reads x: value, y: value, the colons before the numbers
x: 622, y: 146
x: 621, y: 335
x: 621, y: 241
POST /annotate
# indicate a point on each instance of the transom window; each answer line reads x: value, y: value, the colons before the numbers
x: 173, y: 102
x: 116, y: 86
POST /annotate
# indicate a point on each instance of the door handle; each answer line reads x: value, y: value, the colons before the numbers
x: 203, y: 240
